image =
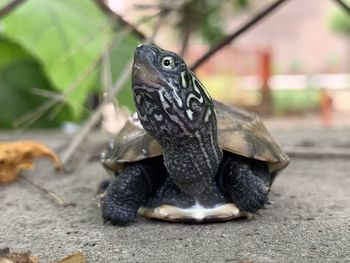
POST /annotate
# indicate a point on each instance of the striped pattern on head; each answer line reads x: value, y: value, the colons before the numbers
x: 170, y: 100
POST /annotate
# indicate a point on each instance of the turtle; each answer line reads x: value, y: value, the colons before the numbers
x: 182, y: 156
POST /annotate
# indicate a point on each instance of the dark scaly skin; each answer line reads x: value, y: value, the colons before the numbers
x: 246, y: 181
x: 131, y: 189
x: 175, y: 110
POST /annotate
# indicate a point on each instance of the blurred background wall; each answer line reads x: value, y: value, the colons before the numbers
x: 295, y: 63
x: 308, y: 58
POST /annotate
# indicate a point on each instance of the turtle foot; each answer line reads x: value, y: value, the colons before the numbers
x: 248, y: 191
x: 117, y: 214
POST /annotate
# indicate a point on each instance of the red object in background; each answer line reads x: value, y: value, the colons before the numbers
x: 265, y: 68
x: 266, y: 106
x: 326, y: 108
x: 242, y: 70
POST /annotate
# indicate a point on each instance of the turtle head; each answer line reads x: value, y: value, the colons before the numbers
x: 171, y: 102
x: 175, y: 109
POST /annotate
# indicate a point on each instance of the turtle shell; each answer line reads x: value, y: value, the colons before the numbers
x: 239, y: 131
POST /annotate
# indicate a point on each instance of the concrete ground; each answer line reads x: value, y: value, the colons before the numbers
x: 308, y: 220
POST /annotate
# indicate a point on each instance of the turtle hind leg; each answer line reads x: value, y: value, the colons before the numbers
x: 247, y: 182
x: 130, y: 190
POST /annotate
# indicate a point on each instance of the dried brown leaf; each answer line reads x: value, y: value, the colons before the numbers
x: 17, y: 257
x: 77, y: 257
x: 19, y: 155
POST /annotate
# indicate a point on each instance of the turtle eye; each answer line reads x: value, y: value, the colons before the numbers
x: 168, y: 62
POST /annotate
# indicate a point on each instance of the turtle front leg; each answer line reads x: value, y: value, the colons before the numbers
x: 247, y: 182
x: 130, y: 190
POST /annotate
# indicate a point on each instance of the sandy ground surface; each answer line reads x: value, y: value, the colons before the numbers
x: 308, y: 220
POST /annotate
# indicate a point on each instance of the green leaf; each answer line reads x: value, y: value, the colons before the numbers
x: 10, y: 52
x: 67, y: 37
x: 19, y: 73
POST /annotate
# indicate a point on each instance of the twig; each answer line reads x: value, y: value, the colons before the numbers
x: 157, y: 26
x: 228, y: 39
x: 7, y: 9
x: 105, y: 8
x: 106, y: 73
x: 343, y: 5
x: 58, y: 200
x: 30, y: 117
x: 87, y: 39
x: 47, y: 93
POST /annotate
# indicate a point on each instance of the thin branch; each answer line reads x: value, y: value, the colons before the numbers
x: 106, y: 9
x: 47, y: 93
x: 57, y: 199
x: 247, y: 25
x: 7, y: 9
x: 87, y: 39
x: 342, y: 4
x: 106, y: 73
x: 185, y: 41
x: 28, y: 118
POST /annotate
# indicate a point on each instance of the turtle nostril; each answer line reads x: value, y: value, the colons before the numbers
x: 137, y: 50
x: 144, y: 48
x: 141, y: 48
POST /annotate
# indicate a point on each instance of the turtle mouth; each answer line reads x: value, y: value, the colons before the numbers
x: 144, y: 71
x: 143, y: 77
x: 144, y: 89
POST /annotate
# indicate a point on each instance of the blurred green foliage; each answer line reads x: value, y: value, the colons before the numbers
x: 205, y: 18
x: 19, y: 72
x: 51, y: 45
x: 285, y: 101
x: 339, y: 20
x: 288, y: 101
